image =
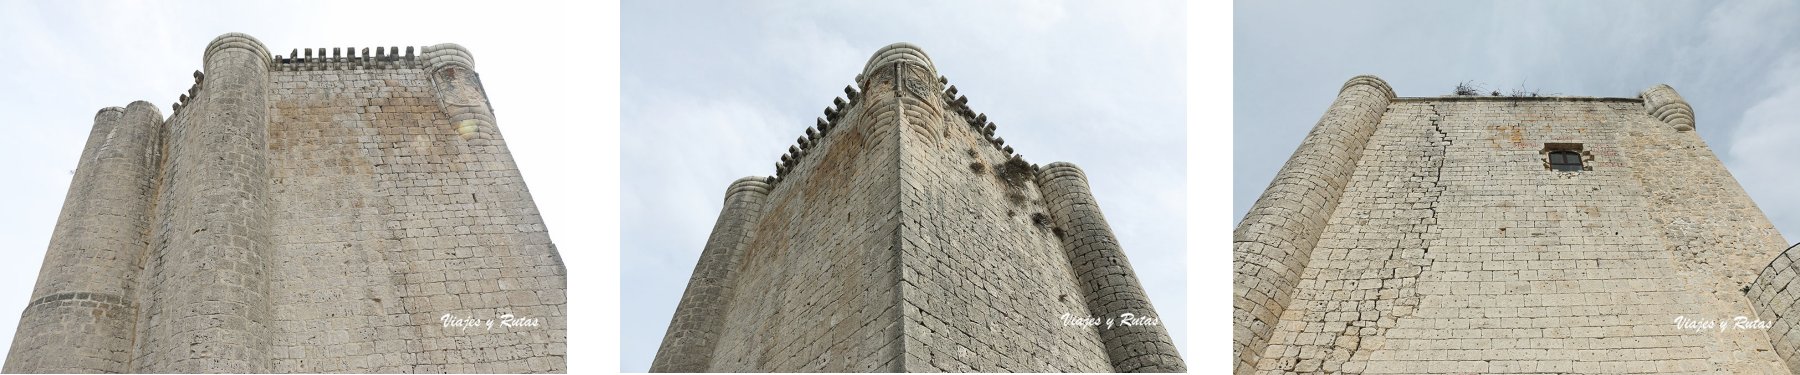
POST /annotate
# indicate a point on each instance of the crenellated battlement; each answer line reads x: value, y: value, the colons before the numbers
x: 192, y: 92
x: 892, y: 54
x: 349, y: 58
x: 339, y: 58
x: 814, y: 135
x: 978, y: 122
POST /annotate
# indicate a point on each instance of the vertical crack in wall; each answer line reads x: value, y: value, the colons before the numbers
x: 1398, y: 273
x: 1533, y: 293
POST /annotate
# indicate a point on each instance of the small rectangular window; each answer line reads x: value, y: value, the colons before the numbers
x: 1566, y: 157
x: 1565, y: 161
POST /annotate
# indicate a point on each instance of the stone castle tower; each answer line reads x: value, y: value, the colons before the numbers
x: 1509, y: 235
x: 321, y: 213
x: 901, y: 234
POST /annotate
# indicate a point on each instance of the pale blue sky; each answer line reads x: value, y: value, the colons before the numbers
x: 716, y: 90
x: 1737, y: 63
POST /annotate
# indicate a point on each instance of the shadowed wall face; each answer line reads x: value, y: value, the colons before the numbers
x: 81, y: 314
x: 388, y: 219
x: 985, y: 280
x: 206, y: 270
x: 815, y: 286
x: 693, y: 333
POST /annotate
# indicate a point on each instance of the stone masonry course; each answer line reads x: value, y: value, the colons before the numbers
x: 325, y: 211
x: 1432, y: 235
x: 901, y: 234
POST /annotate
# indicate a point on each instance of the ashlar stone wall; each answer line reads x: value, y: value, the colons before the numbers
x: 1455, y: 249
x: 337, y: 212
x: 901, y: 234
x: 388, y: 220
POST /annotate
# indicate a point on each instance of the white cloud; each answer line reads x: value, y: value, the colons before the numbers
x: 1762, y: 148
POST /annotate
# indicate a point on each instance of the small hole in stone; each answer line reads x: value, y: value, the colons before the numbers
x: 1057, y: 231
x: 971, y: 152
x: 1039, y: 219
x: 1010, y: 213
x: 977, y: 167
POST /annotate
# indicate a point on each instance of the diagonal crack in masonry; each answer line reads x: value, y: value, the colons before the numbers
x: 1436, y: 191
x: 1436, y: 157
x: 1354, y: 340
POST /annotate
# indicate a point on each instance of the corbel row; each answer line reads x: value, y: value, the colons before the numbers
x: 192, y: 92
x: 978, y: 121
x: 816, y: 133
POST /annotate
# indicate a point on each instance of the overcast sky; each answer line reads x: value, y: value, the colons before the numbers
x: 714, y: 91
x: 61, y: 62
x: 1737, y: 63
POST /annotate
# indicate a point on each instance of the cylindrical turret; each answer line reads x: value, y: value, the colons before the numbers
x: 694, y: 332
x: 1107, y: 281
x: 82, y: 313
x: 906, y: 74
x: 208, y: 269
x: 1663, y: 103
x: 452, y: 72
x: 1778, y: 304
x: 1272, y: 246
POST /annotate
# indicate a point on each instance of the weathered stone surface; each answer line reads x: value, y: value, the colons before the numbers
x: 300, y: 215
x: 82, y: 310
x: 1779, y: 304
x: 1272, y: 245
x: 902, y: 240
x: 1448, y: 245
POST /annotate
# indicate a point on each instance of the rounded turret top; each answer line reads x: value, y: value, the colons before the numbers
x: 144, y: 106
x: 1061, y: 169
x: 238, y: 40
x: 447, y: 54
x: 751, y: 184
x: 1663, y: 103
x: 899, y: 52
x: 1371, y: 81
x: 116, y: 111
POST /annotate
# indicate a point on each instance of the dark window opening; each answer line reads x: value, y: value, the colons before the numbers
x: 1566, y: 157
x: 1565, y: 161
